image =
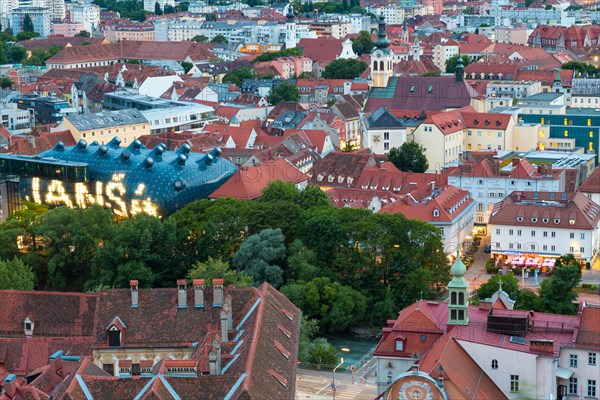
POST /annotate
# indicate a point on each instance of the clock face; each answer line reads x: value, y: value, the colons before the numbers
x: 415, y: 390
x: 378, y: 54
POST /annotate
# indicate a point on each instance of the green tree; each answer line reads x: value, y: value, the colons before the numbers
x: 453, y: 61
x: 199, y: 38
x: 18, y: 54
x: 3, y: 53
x: 15, y: 275
x: 238, y: 75
x: 279, y: 190
x: 316, y: 229
x: 384, y: 309
x: 510, y: 284
x: 211, y: 17
x: 321, y: 352
x: 83, y: 33
x: 27, y: 24
x: 182, y: 7
x: 22, y: 36
x: 526, y: 300
x: 157, y: 9
x: 410, y: 157
x: 169, y: 9
x: 140, y: 248
x: 70, y: 238
x: 308, y: 329
x: 306, y: 75
x: 219, y: 39
x: 344, y: 69
x: 260, y: 256
x: 302, y: 263
x: 217, y: 268
x: 285, y: 91
x: 556, y: 293
x: 334, y: 305
x: 313, y: 196
x: 187, y: 66
x: 363, y: 44
x: 432, y: 73
x: 6, y: 82
x: 272, y: 55
x: 581, y: 67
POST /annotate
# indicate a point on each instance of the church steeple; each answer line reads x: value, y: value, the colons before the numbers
x: 382, y: 58
x: 458, y: 305
x: 459, y: 72
x: 382, y: 41
x: 290, y: 28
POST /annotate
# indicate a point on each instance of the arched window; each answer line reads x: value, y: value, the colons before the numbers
x: 453, y: 298
x: 461, y: 298
x: 494, y: 364
x: 381, y: 68
x: 114, y: 337
x: 374, y: 65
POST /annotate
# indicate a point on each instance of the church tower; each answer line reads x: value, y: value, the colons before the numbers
x: 290, y: 29
x: 382, y: 66
x: 458, y: 288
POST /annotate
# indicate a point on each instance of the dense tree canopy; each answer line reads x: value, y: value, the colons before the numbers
x: 581, y: 67
x: 238, y: 75
x: 362, y: 44
x: 285, y: 91
x: 27, y: 24
x: 453, y: 61
x: 344, y: 69
x: 410, y: 157
x: 276, y: 54
x: 219, y: 39
x: 16, y: 275
x: 261, y: 255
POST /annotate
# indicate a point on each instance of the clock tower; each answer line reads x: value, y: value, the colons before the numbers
x: 382, y: 66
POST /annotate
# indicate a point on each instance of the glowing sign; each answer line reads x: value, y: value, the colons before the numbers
x: 112, y: 194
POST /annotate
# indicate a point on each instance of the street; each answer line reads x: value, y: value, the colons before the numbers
x: 316, y: 385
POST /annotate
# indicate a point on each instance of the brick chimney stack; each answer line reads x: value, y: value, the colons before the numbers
x: 217, y: 292
x: 181, y: 293
x: 56, y: 368
x: 224, y: 324
x: 10, y: 385
x: 214, y: 358
x: 134, y: 292
x: 198, y: 293
x: 229, y: 309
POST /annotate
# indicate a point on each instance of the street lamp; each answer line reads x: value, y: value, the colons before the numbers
x: 333, y: 380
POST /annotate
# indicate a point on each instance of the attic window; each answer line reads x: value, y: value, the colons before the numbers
x: 288, y: 314
x: 436, y: 213
x: 28, y: 326
x: 571, y: 222
x: 330, y: 178
x: 557, y: 220
x: 280, y: 378
x: 340, y: 179
x: 114, y: 337
x: 430, y: 89
x: 534, y: 220
x: 286, y: 332
x: 520, y: 219
x: 412, y: 89
x: 399, y: 344
x: 320, y: 177
x: 545, y: 220
x: 284, y: 352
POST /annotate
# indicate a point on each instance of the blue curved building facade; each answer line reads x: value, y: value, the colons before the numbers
x: 130, y: 180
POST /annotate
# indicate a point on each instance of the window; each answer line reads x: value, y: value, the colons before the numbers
x: 545, y: 234
x: 592, y: 358
x: 532, y: 233
x: 553, y: 248
x: 553, y: 234
x: 386, y: 146
x: 494, y: 364
x: 399, y: 345
x: 497, y: 231
x: 423, y: 338
x: 582, y: 250
x: 114, y: 337
x: 582, y: 236
x: 442, y: 231
x: 572, y: 385
x: 573, y: 360
x: 510, y: 232
x: 514, y: 383
x: 453, y: 298
x: 518, y: 232
x: 571, y: 249
x: 386, y: 136
x: 110, y: 368
x: 591, y: 388
x: 572, y: 235
x: 135, y: 370
x: 545, y: 247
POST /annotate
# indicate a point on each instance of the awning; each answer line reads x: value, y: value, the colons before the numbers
x: 564, y: 373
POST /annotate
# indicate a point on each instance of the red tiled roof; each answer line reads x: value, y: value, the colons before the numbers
x: 321, y: 50
x: 248, y: 183
x: 589, y: 329
x: 592, y: 183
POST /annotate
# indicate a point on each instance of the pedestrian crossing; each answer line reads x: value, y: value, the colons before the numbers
x: 351, y: 393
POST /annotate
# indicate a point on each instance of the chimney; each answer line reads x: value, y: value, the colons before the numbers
x: 224, y: 314
x: 56, y: 368
x: 10, y: 385
x: 214, y: 358
x: 515, y: 161
x: 181, y: 293
x: 217, y: 292
x: 228, y: 299
x: 134, y: 292
x: 198, y: 293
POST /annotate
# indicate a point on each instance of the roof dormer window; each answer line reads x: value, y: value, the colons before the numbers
x: 400, y: 344
x: 520, y: 219
x: 557, y: 220
x: 571, y: 222
x: 534, y: 220
x: 545, y: 220
x: 28, y: 327
x: 436, y: 213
